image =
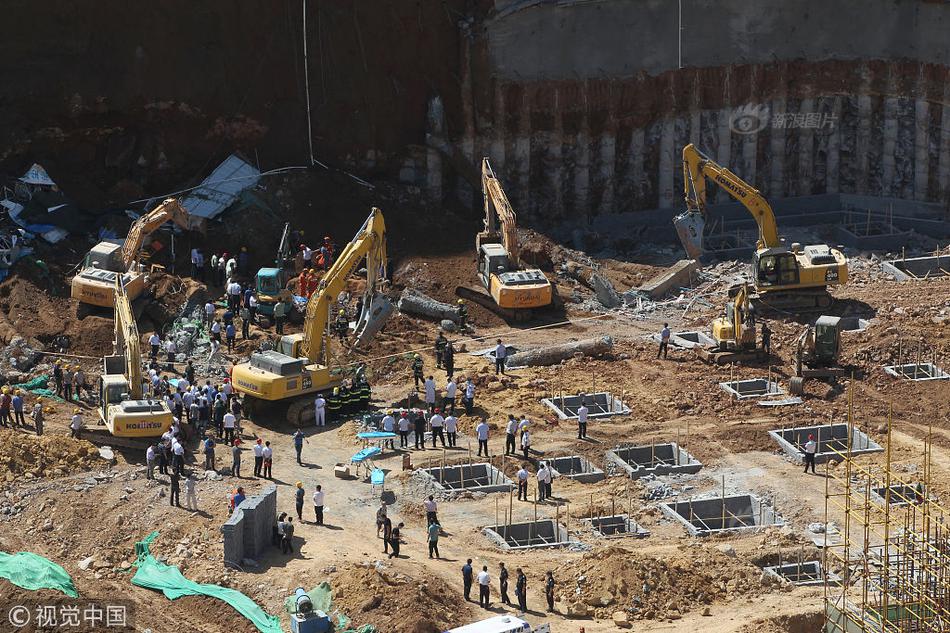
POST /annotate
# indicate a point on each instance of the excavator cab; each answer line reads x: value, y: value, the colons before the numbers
x: 775, y: 267
x: 827, y: 340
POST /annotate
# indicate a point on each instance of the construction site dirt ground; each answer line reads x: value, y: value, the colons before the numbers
x: 58, y: 501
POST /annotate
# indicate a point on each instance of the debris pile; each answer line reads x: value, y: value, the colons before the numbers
x: 17, y: 358
x: 613, y: 583
x: 32, y: 457
x: 395, y: 602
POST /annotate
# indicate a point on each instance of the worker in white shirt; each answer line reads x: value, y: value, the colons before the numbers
x: 179, y: 457
x: 389, y: 426
x: 429, y: 386
x: 268, y: 463
x: 542, y: 481
x: 154, y: 342
x: 170, y: 350
x: 510, y: 430
x: 234, y: 295
x: 523, y: 424
x: 229, y: 422
x: 448, y: 401
x: 431, y: 510
x: 209, y: 313
x: 320, y: 410
x: 191, y: 498
x: 75, y: 425
x: 258, y: 457
x: 451, y: 428
x: 526, y: 443
x: 216, y: 330
x: 522, y: 478
x: 810, y: 448
x: 546, y: 479
x: 403, y: 429
x: 469, y: 400
x: 484, y: 583
x: 437, y: 424
x: 151, y: 456
x: 582, y: 419
x: 481, y: 432
x: 501, y: 354
x: 318, y: 502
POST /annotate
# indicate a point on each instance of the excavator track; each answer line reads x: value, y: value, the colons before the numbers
x: 102, y: 437
x: 797, y: 301
x: 485, y: 300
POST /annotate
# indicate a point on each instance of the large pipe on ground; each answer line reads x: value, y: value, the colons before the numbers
x: 556, y: 353
x: 414, y: 302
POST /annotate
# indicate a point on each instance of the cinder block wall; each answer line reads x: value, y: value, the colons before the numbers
x: 247, y: 532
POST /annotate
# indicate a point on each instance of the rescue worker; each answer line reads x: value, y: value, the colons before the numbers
x: 333, y: 405
x: 341, y: 326
x: 462, y: 313
x: 366, y: 394
x: 419, y: 428
x: 440, y: 343
x: 280, y: 310
x: 58, y: 376
x: 448, y: 359
x: 417, y: 370
x: 38, y: 416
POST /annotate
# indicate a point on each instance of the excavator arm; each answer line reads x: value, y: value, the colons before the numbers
x: 169, y: 210
x: 497, y: 205
x: 690, y: 224
x: 127, y: 342
x: 369, y: 243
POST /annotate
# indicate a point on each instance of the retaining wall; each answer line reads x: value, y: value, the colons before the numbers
x: 247, y: 532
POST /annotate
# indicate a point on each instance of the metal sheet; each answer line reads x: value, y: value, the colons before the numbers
x: 221, y: 188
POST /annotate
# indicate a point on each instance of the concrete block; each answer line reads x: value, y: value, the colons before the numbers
x: 575, y: 467
x: 531, y: 535
x: 599, y: 405
x: 718, y: 514
x: 247, y: 532
x: 475, y: 477
x: 655, y: 459
x: 832, y: 441
x: 906, y: 269
x: 803, y: 574
x: 678, y: 275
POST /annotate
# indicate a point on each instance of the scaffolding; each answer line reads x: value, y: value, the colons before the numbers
x: 893, y: 556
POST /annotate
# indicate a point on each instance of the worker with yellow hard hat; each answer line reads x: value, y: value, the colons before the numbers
x: 58, y: 376
x: 17, y: 403
x: 417, y: 370
x: 6, y: 403
x: 341, y: 327
x: 461, y: 313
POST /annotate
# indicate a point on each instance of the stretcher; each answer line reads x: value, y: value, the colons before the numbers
x: 364, y: 459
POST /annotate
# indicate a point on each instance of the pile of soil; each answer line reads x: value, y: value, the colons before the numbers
x: 651, y: 588
x: 43, y: 457
x: 397, y: 603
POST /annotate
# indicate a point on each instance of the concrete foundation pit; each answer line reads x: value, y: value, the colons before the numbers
x: 917, y: 371
x: 616, y: 527
x: 717, y: 514
x: 755, y: 388
x: 688, y: 340
x: 655, y: 459
x: 832, y: 440
x: 474, y: 477
x: 918, y: 267
x: 576, y: 468
x: 544, y: 533
x: 803, y: 574
x: 901, y: 494
x: 599, y: 405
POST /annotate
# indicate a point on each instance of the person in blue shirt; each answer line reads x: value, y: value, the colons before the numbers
x: 467, y: 577
x: 237, y: 498
x: 434, y: 539
x: 230, y: 332
x: 17, y: 403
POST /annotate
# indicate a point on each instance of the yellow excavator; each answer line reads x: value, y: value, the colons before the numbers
x: 733, y: 332
x: 124, y: 410
x: 95, y: 282
x: 300, y: 366
x: 783, y: 278
x: 514, y: 289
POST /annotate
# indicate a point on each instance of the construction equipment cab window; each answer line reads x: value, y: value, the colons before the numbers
x: 780, y: 269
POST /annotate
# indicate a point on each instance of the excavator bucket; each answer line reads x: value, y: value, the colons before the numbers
x: 376, y: 311
x: 689, y: 228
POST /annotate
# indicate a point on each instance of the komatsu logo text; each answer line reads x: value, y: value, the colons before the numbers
x: 727, y: 184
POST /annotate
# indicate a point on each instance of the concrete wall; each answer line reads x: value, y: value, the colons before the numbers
x: 247, y: 532
x: 580, y: 39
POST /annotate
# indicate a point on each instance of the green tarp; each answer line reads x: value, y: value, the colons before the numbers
x: 32, y: 571
x: 152, y: 574
x: 39, y: 387
x: 322, y: 598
